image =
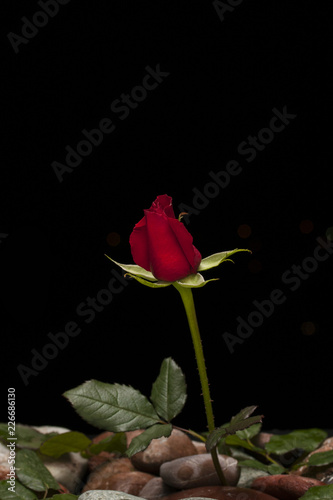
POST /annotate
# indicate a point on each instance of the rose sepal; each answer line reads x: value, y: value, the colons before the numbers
x: 148, y: 279
x: 216, y: 259
x: 141, y: 275
x: 193, y: 281
x: 133, y: 269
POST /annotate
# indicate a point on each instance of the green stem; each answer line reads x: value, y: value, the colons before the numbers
x: 187, y: 298
x: 192, y: 433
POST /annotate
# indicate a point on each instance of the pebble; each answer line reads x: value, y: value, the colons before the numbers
x: 200, y: 447
x: 219, y: 493
x: 162, y: 450
x: 4, y: 466
x: 212, y: 492
x: 4, y: 470
x: 98, y: 477
x: 129, y: 482
x: 285, y: 486
x: 113, y: 476
x: 155, y: 489
x: 247, y: 475
x: 106, y: 495
x: 198, y: 470
x: 261, y: 439
x: 118, y: 495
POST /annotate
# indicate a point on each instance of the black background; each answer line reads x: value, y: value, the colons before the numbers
x: 225, y: 76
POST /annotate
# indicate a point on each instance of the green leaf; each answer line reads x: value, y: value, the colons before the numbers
x: 255, y: 464
x: 250, y: 432
x: 321, y: 458
x: 243, y: 414
x: 116, y: 443
x: 32, y: 473
x: 3, y: 431
x: 276, y: 469
x: 306, y: 439
x: 19, y: 493
x: 116, y: 408
x: 217, y: 258
x: 134, y: 269
x: 169, y: 390
x: 194, y: 281
x: 319, y: 493
x: 238, y: 422
x: 235, y: 440
x: 27, y: 437
x: 221, y: 432
x: 140, y: 443
x: 71, y: 441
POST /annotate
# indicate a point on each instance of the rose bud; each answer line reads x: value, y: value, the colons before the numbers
x: 160, y: 243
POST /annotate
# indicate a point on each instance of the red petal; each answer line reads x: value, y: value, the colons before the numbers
x: 139, y: 244
x: 185, y: 239
x: 168, y: 261
x: 161, y: 244
x: 163, y: 204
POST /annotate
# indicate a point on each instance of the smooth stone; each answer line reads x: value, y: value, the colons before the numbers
x: 155, y: 489
x: 129, y: 482
x: 247, y: 476
x: 261, y: 439
x: 198, y: 470
x: 285, y: 486
x: 106, y: 495
x: 200, y: 447
x: 162, y: 450
x: 220, y: 493
x: 4, y: 454
x: 70, y: 469
x: 3, y: 472
x: 118, y: 495
x: 100, y: 477
x: 4, y: 466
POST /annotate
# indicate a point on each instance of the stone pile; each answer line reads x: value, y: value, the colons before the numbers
x: 166, y: 466
x: 173, y: 468
x: 176, y: 468
x: 170, y: 468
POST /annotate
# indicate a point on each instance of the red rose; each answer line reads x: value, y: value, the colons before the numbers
x: 160, y: 243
